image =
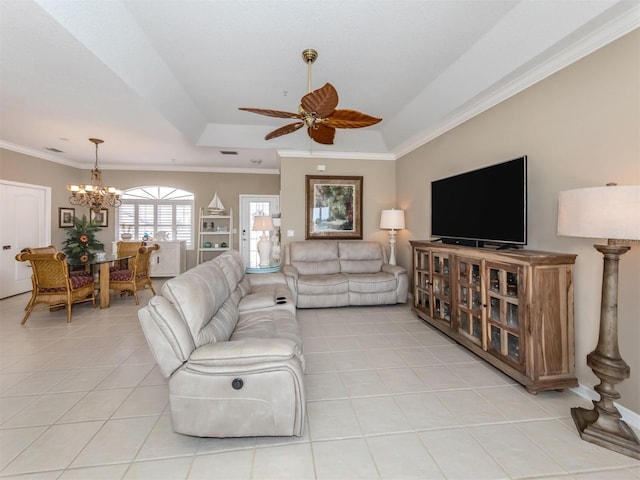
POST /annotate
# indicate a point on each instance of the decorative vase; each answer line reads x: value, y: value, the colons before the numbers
x: 126, y: 236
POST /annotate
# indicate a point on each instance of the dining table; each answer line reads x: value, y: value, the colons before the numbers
x: 100, y: 264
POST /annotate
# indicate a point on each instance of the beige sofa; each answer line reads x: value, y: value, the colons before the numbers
x: 230, y: 345
x: 323, y: 273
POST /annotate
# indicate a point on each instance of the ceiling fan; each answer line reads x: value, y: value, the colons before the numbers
x: 317, y: 111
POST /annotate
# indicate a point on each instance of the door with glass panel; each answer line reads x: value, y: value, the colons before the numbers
x: 252, y: 206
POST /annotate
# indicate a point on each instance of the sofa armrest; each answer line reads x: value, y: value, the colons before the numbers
x: 266, y: 296
x: 395, y: 270
x: 291, y: 272
x: 291, y: 276
x: 238, y: 353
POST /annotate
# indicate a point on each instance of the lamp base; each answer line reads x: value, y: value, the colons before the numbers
x: 606, y: 429
x: 603, y: 424
x: 264, y: 251
x: 392, y: 247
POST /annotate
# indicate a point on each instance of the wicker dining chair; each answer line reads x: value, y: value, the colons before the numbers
x: 48, y: 249
x: 124, y: 249
x: 137, y: 276
x: 53, y: 249
x: 52, y: 284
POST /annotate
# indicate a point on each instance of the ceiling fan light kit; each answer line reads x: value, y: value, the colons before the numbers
x: 317, y: 111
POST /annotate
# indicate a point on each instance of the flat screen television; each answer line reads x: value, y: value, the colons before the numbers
x: 487, y: 205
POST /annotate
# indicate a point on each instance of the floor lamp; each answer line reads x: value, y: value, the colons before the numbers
x: 392, y: 220
x: 263, y: 223
x: 611, y: 212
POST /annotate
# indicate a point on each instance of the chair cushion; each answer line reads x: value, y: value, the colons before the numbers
x: 78, y: 281
x: 120, y: 275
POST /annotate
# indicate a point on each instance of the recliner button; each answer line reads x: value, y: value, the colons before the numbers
x: 237, y: 383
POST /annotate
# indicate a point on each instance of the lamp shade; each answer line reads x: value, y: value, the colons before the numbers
x: 392, y: 219
x: 611, y: 212
x: 262, y: 223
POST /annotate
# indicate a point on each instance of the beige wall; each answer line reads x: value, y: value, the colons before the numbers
x: 378, y: 192
x: 23, y: 168
x: 579, y: 128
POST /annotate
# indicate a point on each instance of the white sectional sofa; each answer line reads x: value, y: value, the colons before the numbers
x: 323, y: 273
x: 230, y: 345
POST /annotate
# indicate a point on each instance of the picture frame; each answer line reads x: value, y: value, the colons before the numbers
x: 333, y: 207
x: 101, y: 219
x: 66, y: 215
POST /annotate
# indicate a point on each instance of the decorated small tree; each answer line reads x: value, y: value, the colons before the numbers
x: 81, y: 244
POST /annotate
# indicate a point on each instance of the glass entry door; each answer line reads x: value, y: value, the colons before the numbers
x: 250, y: 207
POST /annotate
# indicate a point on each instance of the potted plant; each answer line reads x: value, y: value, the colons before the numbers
x: 81, y: 244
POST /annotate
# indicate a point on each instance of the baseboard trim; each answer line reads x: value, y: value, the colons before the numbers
x: 629, y: 416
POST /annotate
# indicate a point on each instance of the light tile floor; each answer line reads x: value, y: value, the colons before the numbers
x: 388, y: 398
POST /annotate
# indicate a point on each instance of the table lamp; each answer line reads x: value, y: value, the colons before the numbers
x: 611, y: 212
x: 392, y: 220
x: 263, y: 223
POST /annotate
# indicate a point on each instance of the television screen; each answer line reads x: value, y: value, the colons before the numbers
x: 484, y: 205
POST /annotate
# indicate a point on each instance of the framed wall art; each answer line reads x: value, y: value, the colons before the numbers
x: 101, y: 219
x: 65, y: 217
x: 333, y: 207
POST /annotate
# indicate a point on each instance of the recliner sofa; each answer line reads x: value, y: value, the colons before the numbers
x: 325, y: 273
x: 230, y: 345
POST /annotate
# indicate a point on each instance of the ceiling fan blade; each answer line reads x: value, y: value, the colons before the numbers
x: 271, y: 113
x: 322, y: 101
x: 351, y: 119
x: 322, y: 134
x: 292, y: 127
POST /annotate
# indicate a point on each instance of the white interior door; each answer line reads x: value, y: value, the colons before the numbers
x: 25, y: 219
x: 250, y: 206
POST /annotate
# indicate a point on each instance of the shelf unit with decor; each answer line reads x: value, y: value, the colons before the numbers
x: 512, y: 308
x: 214, y: 230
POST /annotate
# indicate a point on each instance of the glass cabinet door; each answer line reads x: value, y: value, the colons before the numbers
x: 441, y: 287
x: 422, y: 281
x: 469, y: 310
x: 504, y: 315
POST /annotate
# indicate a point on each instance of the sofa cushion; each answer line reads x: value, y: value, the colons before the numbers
x: 232, y: 265
x: 167, y: 335
x: 197, y: 295
x: 264, y: 324
x: 323, y: 284
x: 360, y: 257
x: 315, y: 258
x: 224, y: 321
x: 372, y: 282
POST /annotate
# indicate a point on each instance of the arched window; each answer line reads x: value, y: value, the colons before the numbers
x: 156, y: 209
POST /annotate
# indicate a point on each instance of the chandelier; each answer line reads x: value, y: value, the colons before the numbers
x: 94, y: 195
